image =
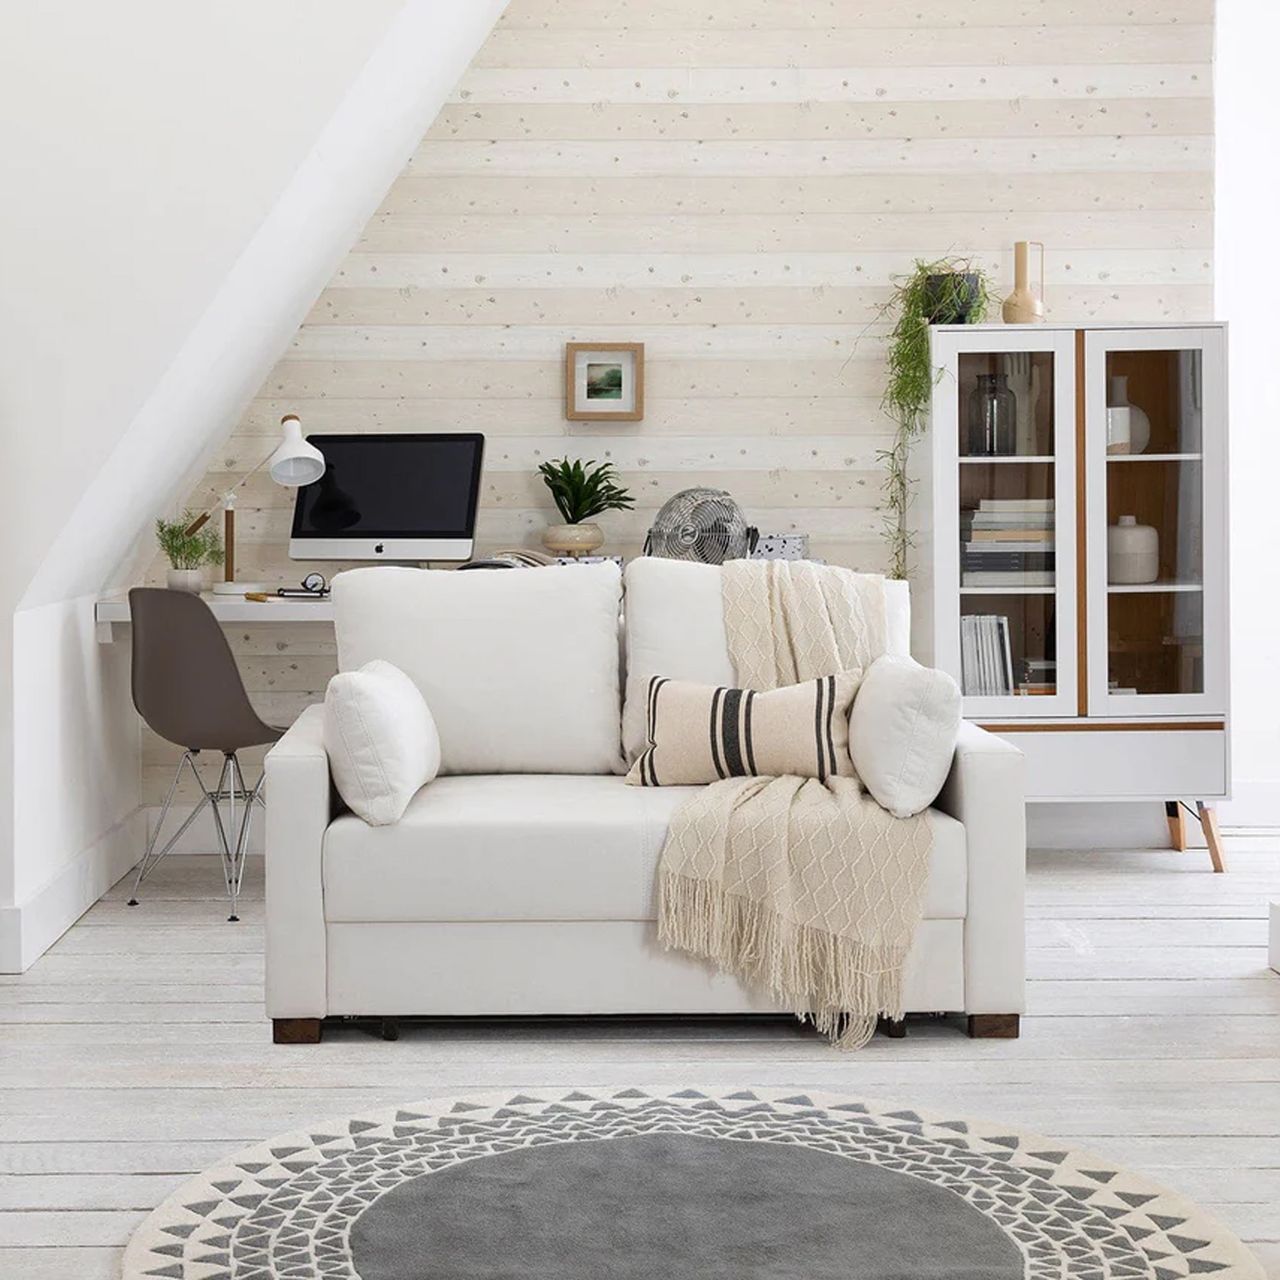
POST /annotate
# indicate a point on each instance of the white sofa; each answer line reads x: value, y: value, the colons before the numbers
x: 531, y: 891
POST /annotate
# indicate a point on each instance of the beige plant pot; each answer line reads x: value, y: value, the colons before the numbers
x: 573, y: 539
x: 186, y: 580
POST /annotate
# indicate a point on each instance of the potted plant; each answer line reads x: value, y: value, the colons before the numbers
x: 580, y: 491
x: 945, y: 291
x: 188, y: 550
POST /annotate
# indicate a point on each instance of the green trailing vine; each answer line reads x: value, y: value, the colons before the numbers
x: 946, y: 291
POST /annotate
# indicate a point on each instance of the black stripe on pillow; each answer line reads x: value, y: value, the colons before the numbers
x: 716, y: 699
x: 732, y: 743
x: 831, y: 715
x: 817, y: 729
x: 746, y: 733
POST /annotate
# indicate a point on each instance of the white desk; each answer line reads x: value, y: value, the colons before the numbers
x: 112, y: 610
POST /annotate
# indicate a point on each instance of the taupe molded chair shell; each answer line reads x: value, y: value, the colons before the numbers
x: 188, y: 689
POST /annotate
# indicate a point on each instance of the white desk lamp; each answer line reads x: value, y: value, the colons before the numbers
x: 292, y: 464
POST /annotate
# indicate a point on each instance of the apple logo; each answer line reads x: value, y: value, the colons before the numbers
x: 377, y: 550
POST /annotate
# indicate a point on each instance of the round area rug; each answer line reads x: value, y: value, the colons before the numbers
x: 696, y: 1184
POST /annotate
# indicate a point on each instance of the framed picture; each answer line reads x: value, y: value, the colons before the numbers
x: 604, y: 381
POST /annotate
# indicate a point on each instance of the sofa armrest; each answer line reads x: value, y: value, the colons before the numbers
x: 986, y: 792
x: 299, y: 808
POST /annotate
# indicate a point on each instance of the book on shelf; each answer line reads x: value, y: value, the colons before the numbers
x: 1007, y: 578
x: 1011, y: 533
x: 986, y: 660
x: 1015, y: 504
x: 1022, y: 563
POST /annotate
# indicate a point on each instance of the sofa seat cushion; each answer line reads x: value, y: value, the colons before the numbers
x: 529, y: 847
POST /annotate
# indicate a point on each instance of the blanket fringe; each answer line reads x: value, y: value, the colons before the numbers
x: 841, y: 985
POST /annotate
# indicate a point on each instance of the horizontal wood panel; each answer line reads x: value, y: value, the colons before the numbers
x: 847, y: 45
x: 694, y: 84
x: 714, y: 378
x: 735, y: 15
x: 699, y: 193
x: 498, y: 416
x: 768, y: 304
x: 803, y: 158
x: 1015, y: 117
x: 889, y: 233
x: 710, y: 269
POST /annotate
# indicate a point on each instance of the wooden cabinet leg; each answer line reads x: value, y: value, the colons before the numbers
x: 296, y: 1030
x: 1209, y: 825
x: 1177, y: 819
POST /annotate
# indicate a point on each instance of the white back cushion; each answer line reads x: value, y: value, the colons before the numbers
x: 675, y: 628
x: 518, y: 666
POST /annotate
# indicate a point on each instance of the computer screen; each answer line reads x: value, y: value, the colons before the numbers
x: 383, y: 494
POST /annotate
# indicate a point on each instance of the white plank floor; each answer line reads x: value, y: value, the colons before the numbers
x: 136, y: 1051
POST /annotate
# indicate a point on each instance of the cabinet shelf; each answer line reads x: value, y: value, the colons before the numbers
x: 1137, y: 588
x: 1007, y: 591
x: 1155, y: 457
x: 1042, y: 459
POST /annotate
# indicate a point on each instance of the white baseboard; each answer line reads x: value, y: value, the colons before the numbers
x: 32, y: 927
x: 1255, y: 802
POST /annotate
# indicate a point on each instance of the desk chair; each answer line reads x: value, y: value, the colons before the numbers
x: 188, y: 689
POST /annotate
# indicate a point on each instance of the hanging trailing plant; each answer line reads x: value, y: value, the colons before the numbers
x: 945, y: 291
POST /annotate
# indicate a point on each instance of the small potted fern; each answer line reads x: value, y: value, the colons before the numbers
x: 188, y: 550
x: 580, y: 491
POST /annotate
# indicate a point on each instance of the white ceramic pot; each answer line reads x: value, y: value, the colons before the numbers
x: 1133, y: 552
x: 186, y: 580
x: 573, y: 539
x: 1118, y: 423
x: 1139, y: 423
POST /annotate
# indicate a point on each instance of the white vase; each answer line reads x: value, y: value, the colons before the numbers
x: 573, y: 539
x: 1119, y: 424
x: 1139, y: 423
x: 1133, y: 552
x: 186, y: 580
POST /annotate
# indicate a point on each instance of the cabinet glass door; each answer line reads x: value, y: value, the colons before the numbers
x: 1006, y: 420
x: 1155, y: 433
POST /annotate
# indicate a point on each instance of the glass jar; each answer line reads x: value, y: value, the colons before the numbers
x: 993, y: 417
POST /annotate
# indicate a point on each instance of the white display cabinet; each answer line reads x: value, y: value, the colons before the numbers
x: 1070, y: 555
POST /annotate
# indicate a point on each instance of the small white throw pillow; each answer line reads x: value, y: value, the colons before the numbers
x: 381, y: 740
x: 902, y: 733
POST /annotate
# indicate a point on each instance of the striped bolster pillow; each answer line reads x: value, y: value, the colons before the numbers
x: 699, y: 733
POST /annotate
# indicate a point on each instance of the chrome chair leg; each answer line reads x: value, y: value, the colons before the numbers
x: 150, y: 862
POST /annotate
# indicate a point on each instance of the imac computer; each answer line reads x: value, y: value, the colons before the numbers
x: 390, y: 497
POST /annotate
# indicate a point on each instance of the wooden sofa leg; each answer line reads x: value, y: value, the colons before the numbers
x: 296, y: 1030
x: 994, y: 1026
x: 894, y: 1029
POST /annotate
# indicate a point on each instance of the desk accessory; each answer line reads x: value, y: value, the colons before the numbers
x: 580, y: 491
x: 188, y: 548
x: 705, y: 525
x: 292, y: 463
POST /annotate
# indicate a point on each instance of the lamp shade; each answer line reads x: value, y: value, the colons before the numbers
x: 295, y: 462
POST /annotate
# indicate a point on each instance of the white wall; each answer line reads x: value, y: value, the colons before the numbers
x: 179, y: 182
x: 1248, y: 195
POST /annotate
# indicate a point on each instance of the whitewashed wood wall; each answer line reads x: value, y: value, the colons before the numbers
x: 733, y: 183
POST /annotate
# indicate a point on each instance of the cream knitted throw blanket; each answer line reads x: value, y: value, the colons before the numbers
x: 806, y: 889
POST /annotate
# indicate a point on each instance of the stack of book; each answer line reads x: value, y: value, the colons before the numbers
x: 1007, y: 542
x: 986, y: 662
x: 1039, y: 676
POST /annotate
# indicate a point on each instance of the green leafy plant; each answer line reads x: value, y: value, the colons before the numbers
x: 188, y: 550
x: 945, y: 291
x: 583, y: 490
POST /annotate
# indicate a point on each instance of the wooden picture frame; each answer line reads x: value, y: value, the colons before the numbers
x: 592, y: 387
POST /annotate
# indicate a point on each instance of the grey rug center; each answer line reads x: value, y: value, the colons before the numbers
x: 676, y: 1206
